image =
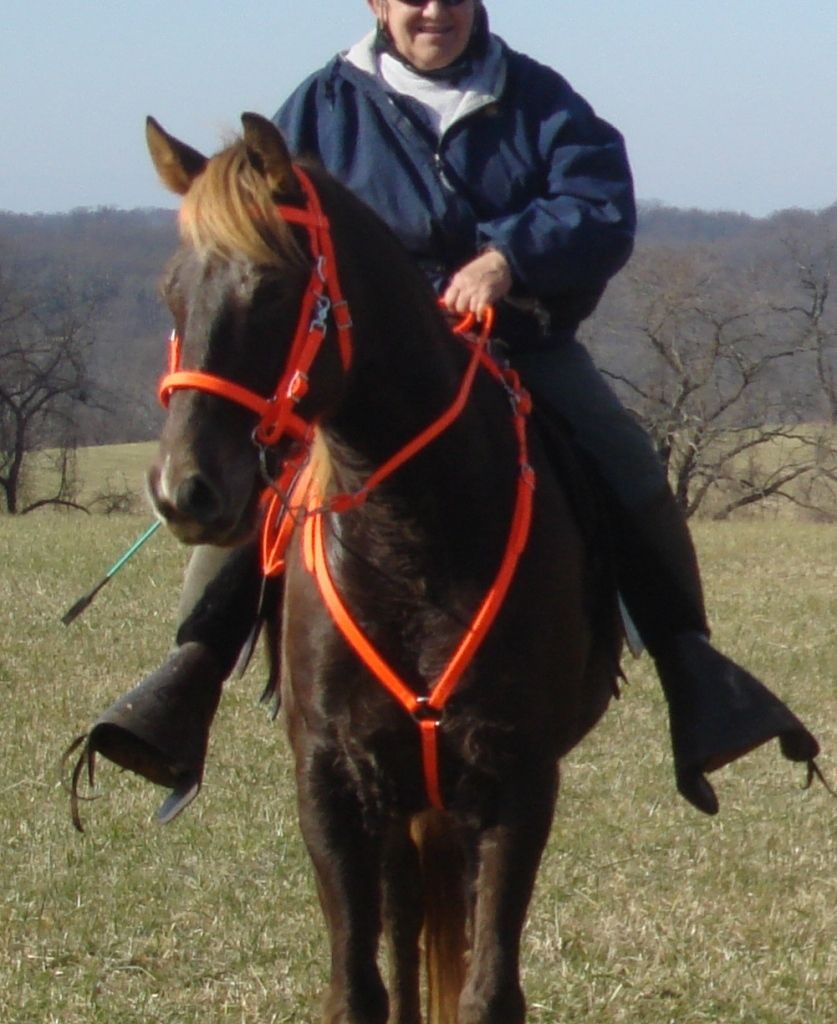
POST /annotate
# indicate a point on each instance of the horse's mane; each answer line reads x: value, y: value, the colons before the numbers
x: 229, y: 211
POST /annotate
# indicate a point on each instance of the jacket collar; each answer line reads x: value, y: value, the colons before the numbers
x: 363, y: 54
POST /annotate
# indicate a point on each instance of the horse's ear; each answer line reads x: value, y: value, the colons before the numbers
x: 177, y: 164
x: 268, y: 153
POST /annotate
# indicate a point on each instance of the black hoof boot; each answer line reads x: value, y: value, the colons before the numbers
x: 160, y: 729
x: 718, y: 712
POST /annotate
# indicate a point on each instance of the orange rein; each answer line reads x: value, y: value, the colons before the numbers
x: 294, y: 497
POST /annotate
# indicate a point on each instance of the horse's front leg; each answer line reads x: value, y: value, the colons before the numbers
x: 507, y: 857
x: 347, y: 860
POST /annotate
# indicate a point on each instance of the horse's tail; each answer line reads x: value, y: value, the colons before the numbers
x: 444, y: 936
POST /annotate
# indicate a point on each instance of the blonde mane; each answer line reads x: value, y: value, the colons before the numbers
x: 229, y: 211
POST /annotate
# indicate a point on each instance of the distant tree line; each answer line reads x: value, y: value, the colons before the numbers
x: 721, y: 335
x: 82, y: 341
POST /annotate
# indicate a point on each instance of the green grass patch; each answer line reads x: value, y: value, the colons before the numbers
x: 645, y: 911
x: 108, y: 477
x: 114, y: 467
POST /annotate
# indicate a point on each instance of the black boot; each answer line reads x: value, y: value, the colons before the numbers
x: 160, y: 729
x: 717, y: 710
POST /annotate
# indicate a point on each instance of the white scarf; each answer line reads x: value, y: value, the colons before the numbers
x: 446, y: 103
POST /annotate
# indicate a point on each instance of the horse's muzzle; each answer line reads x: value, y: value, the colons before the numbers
x: 196, y: 511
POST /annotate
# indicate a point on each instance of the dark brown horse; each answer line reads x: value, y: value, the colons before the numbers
x: 413, y: 563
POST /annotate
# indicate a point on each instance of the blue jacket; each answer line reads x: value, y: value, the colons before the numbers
x: 528, y: 169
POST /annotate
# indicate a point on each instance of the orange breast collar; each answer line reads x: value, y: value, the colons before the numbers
x: 305, y: 504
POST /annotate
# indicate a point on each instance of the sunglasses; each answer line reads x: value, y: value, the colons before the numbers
x: 423, y: 3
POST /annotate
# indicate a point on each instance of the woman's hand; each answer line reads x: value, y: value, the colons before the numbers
x: 480, y: 283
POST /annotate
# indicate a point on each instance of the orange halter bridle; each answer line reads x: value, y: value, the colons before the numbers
x: 322, y: 298
x: 294, y: 499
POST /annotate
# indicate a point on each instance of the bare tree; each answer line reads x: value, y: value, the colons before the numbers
x: 814, y: 262
x: 45, y: 339
x: 698, y: 361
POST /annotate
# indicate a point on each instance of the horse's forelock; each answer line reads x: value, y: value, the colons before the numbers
x: 229, y: 211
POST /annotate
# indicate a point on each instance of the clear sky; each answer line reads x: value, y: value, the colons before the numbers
x: 725, y: 104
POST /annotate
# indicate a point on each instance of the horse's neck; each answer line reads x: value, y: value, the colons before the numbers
x: 407, y: 370
x: 454, y: 495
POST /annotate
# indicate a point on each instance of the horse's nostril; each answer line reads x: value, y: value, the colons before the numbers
x: 197, y: 499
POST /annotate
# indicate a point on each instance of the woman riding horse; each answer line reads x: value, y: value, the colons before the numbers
x: 508, y: 190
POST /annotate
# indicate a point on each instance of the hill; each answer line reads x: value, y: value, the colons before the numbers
x: 115, y: 257
x: 720, y: 322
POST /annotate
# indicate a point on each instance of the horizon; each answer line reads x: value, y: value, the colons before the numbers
x: 643, y: 206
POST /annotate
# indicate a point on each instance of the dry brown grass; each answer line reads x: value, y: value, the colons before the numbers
x: 645, y: 910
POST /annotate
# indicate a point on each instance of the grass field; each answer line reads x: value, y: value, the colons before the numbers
x: 645, y: 910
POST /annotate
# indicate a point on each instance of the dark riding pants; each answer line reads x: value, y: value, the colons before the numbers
x: 656, y: 564
x: 565, y: 378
